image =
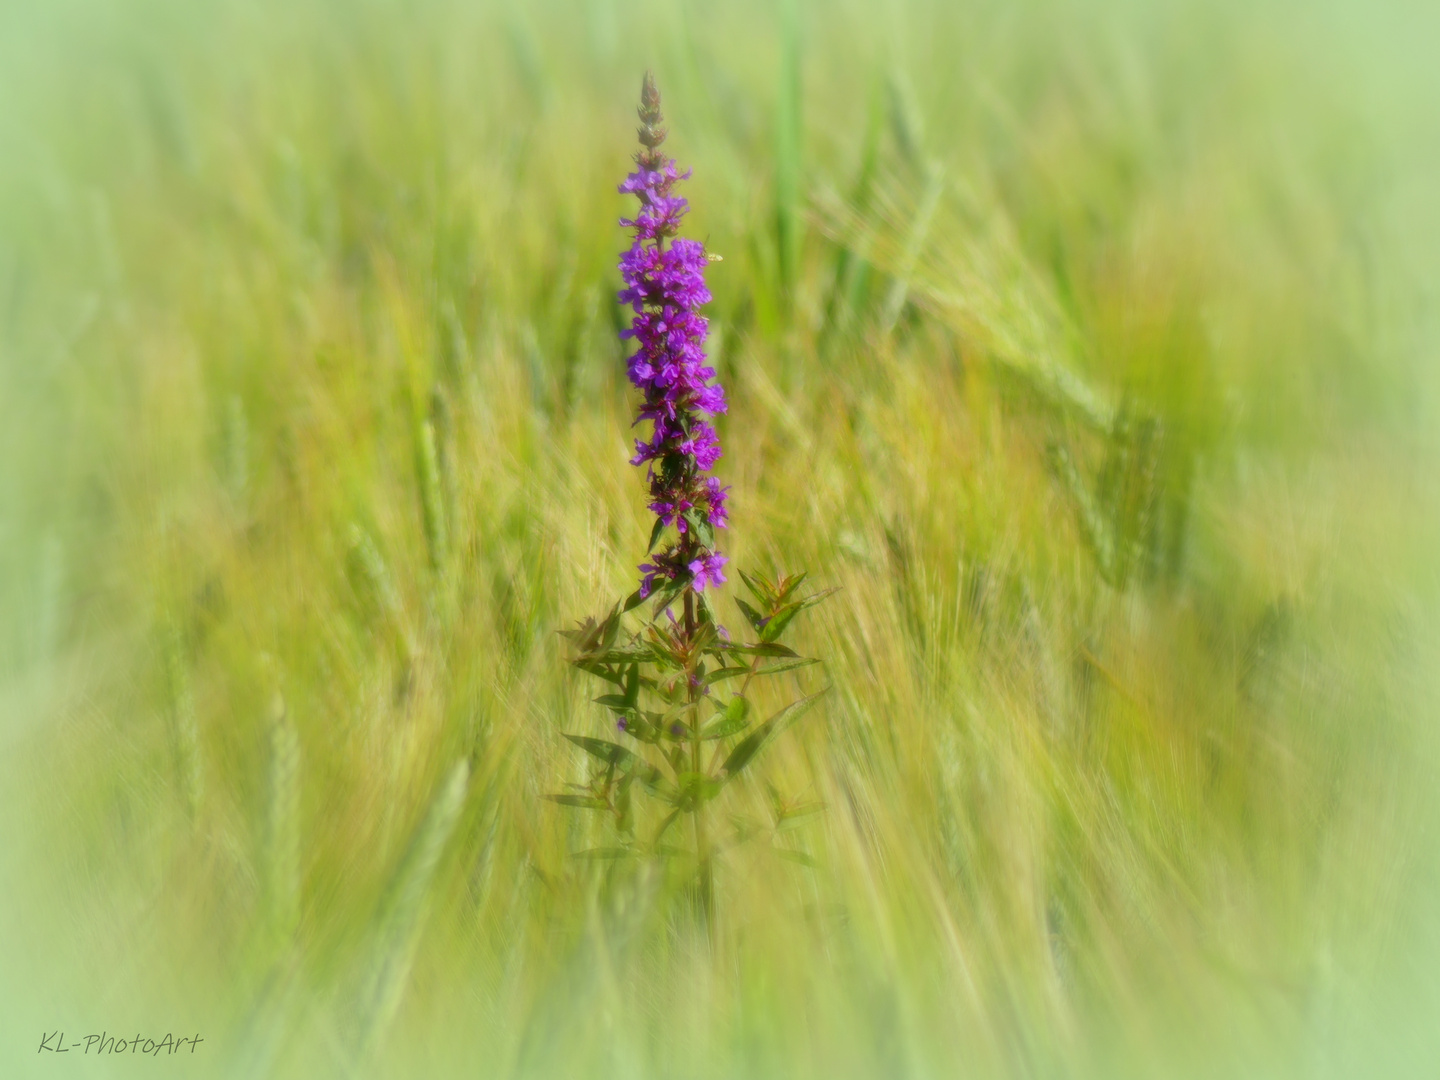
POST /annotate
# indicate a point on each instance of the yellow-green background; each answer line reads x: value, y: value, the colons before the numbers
x: 313, y: 432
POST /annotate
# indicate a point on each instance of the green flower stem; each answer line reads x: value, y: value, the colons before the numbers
x: 697, y: 810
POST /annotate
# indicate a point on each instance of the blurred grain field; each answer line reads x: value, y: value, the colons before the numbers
x: 1091, y: 348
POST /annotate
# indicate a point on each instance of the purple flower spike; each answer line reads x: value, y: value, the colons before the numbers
x: 664, y: 279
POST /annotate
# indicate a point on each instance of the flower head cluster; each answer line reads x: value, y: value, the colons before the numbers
x: 665, y: 288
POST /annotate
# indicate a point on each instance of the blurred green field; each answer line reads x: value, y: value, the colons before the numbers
x: 1091, y: 348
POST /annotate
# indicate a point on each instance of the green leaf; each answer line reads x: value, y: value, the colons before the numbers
x: 610, y: 628
x: 705, y: 610
x: 696, y: 788
x: 668, y: 688
x: 662, y: 651
x: 627, y: 701
x: 654, y: 535
x: 700, y: 527
x: 787, y: 665
x: 815, y: 598
x: 584, y: 802
x: 785, y: 586
x: 759, y: 587
x: 721, y: 674
x: 775, y: 625
x: 705, y: 634
x: 753, y: 617
x: 626, y: 654
x: 618, y: 757
x: 737, y: 707
x: 632, y: 601
x: 734, y: 719
x: 664, y: 721
x: 758, y: 648
x: 654, y: 781
x: 586, y: 635
x: 777, y: 622
x: 608, y: 752
x: 666, y: 596
x: 747, y: 749
x: 595, y: 668
x: 639, y: 730
x: 749, y: 746
x: 654, y: 719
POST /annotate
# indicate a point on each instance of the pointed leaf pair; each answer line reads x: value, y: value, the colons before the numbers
x: 777, y: 623
x: 772, y: 594
x: 760, y: 587
x: 787, y: 585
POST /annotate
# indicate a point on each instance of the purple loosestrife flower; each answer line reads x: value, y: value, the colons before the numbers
x: 664, y: 279
x: 668, y: 666
x: 707, y: 571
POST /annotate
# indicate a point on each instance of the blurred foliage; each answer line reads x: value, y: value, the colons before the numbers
x: 1089, y: 348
